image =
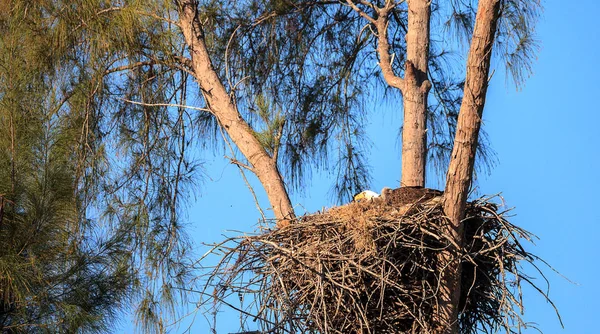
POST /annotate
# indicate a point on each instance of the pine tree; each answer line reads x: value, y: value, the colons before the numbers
x: 59, y: 272
x: 132, y: 86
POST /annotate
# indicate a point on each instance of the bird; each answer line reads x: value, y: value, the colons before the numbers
x: 367, y: 195
x: 385, y: 192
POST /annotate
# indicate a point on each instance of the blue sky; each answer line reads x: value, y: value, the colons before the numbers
x: 546, y: 138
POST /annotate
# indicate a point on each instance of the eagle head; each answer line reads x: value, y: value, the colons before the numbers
x: 366, y: 195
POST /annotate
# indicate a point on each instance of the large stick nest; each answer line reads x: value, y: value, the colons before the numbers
x: 374, y: 267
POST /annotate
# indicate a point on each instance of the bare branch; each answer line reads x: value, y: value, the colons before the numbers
x: 383, y: 49
x: 129, y: 66
x: 236, y: 162
x: 174, y: 105
x: 360, y: 11
x: 223, y: 106
x: 187, y: 62
x: 383, y: 46
x: 158, y: 17
x: 242, y: 166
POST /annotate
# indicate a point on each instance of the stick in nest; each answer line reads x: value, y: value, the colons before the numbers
x: 371, y: 268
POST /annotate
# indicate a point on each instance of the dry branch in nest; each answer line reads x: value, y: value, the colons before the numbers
x: 373, y: 267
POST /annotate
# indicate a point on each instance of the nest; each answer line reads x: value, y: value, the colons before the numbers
x: 373, y: 267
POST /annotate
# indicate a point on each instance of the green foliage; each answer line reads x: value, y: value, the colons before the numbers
x: 60, y: 271
x: 317, y: 62
x: 274, y: 123
x: 96, y: 149
x: 516, y: 41
x: 307, y: 59
x: 514, y: 44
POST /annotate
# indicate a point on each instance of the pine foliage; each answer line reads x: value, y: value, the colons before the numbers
x: 99, y: 117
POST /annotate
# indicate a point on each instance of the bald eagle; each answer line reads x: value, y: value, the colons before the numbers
x: 366, y: 195
x: 369, y: 195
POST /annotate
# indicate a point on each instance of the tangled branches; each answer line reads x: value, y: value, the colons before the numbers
x: 373, y: 268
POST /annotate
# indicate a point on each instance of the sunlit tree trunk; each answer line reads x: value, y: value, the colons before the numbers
x: 221, y: 105
x: 414, y: 86
x: 460, y: 171
x: 414, y: 94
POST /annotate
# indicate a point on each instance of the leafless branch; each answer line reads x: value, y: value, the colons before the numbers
x: 360, y: 11
x: 241, y: 167
x: 173, y: 105
x: 373, y: 267
x: 129, y: 66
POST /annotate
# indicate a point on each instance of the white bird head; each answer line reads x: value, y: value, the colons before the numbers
x: 365, y: 196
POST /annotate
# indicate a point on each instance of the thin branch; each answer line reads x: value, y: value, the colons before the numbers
x: 344, y: 270
x: 242, y: 166
x: 360, y: 11
x: 129, y: 66
x: 227, y: 73
x: 158, y: 17
x: 239, y: 163
x: 186, y: 65
x: 187, y: 62
x: 174, y: 105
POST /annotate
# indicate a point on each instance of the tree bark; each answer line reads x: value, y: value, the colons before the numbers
x: 460, y: 171
x: 414, y: 86
x: 414, y: 94
x: 223, y: 108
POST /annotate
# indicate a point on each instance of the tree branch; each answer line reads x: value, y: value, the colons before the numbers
x: 174, y: 105
x: 222, y: 105
x: 460, y: 170
x: 360, y: 11
x: 187, y: 62
x: 383, y: 45
x: 129, y: 66
x: 383, y: 50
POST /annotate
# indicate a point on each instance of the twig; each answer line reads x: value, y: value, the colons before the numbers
x: 173, y: 105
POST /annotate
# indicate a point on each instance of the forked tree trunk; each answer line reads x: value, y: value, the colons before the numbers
x: 221, y: 105
x: 414, y: 94
x: 460, y: 171
x: 414, y: 86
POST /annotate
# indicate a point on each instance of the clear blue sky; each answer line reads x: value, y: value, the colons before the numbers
x: 546, y: 138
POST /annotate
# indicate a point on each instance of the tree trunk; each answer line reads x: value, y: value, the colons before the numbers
x: 414, y: 86
x: 460, y: 171
x: 223, y: 108
x: 414, y: 94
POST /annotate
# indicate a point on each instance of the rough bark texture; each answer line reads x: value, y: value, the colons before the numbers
x: 462, y: 160
x: 383, y: 47
x: 460, y: 171
x: 221, y: 105
x: 414, y: 86
x: 414, y: 94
